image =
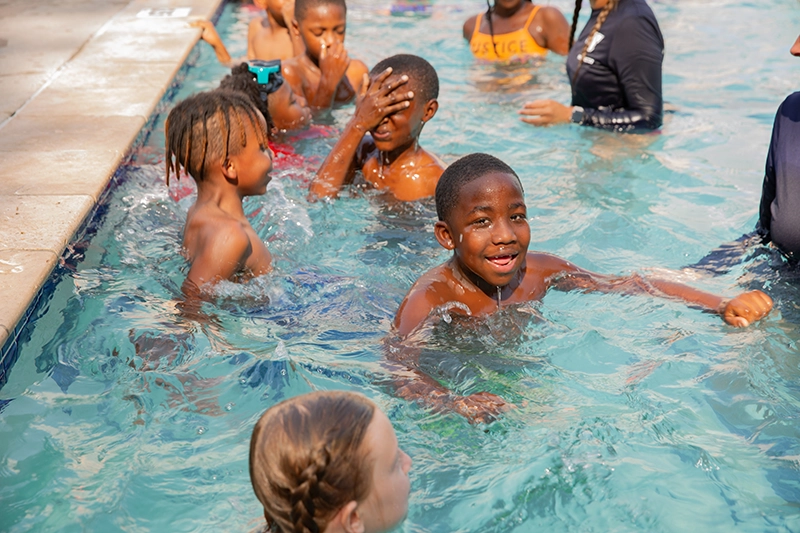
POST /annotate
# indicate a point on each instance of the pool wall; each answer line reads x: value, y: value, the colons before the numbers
x: 79, y: 80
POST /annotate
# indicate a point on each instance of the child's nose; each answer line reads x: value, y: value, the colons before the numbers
x: 503, y: 232
x: 406, y: 462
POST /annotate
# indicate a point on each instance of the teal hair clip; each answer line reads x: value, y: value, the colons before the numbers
x: 268, y: 74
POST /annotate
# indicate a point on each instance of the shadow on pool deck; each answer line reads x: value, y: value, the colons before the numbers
x: 78, y: 79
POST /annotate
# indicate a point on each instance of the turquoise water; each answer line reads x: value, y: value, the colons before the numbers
x: 633, y: 414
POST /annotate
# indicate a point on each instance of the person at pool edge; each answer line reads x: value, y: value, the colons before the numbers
x: 614, y: 69
x: 220, y: 139
x: 328, y: 462
x: 324, y: 74
x: 516, y: 29
x: 382, y: 138
x: 482, y: 219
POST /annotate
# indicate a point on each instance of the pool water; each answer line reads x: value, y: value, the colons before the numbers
x: 632, y: 414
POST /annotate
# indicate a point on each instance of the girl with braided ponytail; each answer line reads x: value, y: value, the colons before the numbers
x: 614, y: 68
x: 516, y: 29
x: 328, y: 462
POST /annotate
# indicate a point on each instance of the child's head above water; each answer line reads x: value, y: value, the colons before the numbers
x: 328, y: 462
x: 405, y: 126
x: 281, y: 108
x: 208, y: 128
x: 320, y: 22
x: 483, y: 218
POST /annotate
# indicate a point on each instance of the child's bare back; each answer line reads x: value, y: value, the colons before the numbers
x: 269, y: 37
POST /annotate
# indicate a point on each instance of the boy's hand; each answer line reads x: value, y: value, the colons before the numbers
x: 380, y: 98
x: 480, y: 407
x: 746, y: 308
x: 545, y: 113
x: 333, y: 62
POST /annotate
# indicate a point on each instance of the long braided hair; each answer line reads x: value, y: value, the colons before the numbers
x: 307, y: 460
x: 209, y: 126
x: 601, y: 18
x: 489, y: 8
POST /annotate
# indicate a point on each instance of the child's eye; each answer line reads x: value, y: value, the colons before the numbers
x: 481, y: 222
x: 519, y: 216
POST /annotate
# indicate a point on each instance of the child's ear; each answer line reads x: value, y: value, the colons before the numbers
x: 348, y: 518
x: 295, y: 27
x: 229, y: 169
x: 430, y: 110
x: 444, y: 235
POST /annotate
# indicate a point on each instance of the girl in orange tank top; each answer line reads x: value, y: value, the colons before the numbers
x: 511, y: 36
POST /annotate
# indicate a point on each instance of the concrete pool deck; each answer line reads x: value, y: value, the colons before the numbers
x: 79, y: 79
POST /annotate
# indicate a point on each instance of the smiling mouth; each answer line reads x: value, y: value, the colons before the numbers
x: 503, y: 262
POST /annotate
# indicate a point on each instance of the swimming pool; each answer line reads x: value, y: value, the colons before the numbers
x: 633, y: 414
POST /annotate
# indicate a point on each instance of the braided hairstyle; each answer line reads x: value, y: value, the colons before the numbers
x: 307, y: 460
x: 209, y: 126
x: 242, y: 80
x: 489, y: 8
x: 601, y: 18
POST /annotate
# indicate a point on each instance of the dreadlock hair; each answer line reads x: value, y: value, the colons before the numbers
x: 301, y: 7
x: 209, y: 126
x: 242, y: 80
x: 465, y: 170
x: 489, y: 8
x: 307, y: 460
x: 421, y: 74
x: 601, y: 18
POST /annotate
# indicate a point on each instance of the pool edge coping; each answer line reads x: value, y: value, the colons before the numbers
x: 42, y: 216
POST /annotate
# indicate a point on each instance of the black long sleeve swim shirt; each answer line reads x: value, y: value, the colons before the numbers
x: 779, y: 213
x: 619, y: 80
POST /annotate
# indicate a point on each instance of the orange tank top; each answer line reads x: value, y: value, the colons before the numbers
x: 508, y: 45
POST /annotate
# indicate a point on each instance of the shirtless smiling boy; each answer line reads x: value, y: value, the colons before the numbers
x: 482, y: 219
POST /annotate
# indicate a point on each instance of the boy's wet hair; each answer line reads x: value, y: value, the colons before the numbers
x: 301, y: 7
x: 209, y: 126
x: 242, y: 80
x: 421, y: 74
x: 465, y: 170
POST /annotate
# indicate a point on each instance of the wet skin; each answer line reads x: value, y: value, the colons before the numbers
x: 325, y: 75
x: 489, y: 235
x: 390, y: 156
x: 269, y: 37
x: 218, y: 239
x: 548, y: 28
x: 289, y: 111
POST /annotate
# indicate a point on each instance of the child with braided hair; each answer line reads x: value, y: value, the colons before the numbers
x: 220, y: 139
x: 614, y: 68
x: 328, y: 462
x: 516, y: 29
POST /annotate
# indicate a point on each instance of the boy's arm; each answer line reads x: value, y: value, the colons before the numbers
x: 377, y: 100
x: 739, y: 311
x: 252, y: 28
x: 223, y: 254
x: 211, y: 36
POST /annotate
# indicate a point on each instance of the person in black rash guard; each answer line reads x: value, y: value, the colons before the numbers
x: 779, y: 213
x: 616, y: 84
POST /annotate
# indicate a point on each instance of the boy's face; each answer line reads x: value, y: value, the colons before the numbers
x: 251, y: 166
x: 403, y: 127
x: 488, y: 228
x: 322, y: 24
